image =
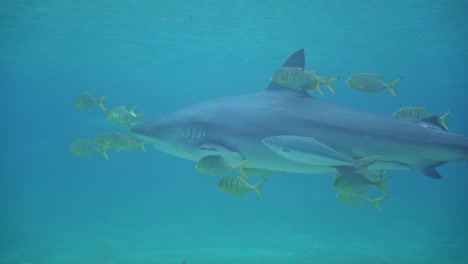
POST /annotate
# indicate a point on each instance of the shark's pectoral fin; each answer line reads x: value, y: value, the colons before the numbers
x: 230, y: 155
x: 430, y: 171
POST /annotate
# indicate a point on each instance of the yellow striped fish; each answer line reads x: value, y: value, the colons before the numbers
x: 360, y: 200
x: 85, y: 148
x: 371, y: 83
x: 420, y: 113
x: 355, y: 183
x: 120, y: 114
x: 238, y: 185
x: 291, y: 77
x: 214, y: 165
x: 85, y: 101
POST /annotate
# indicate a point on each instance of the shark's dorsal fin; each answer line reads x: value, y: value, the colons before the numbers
x: 297, y: 59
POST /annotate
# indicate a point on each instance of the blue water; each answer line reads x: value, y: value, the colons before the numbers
x: 150, y: 207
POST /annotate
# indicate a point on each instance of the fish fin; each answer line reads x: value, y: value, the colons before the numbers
x: 104, y: 153
x: 432, y: 172
x: 381, y: 185
x: 364, y: 163
x: 392, y: 86
x: 364, y: 172
x: 141, y: 145
x: 319, y: 88
x: 132, y: 111
x: 99, y: 102
x: 257, y: 186
x: 240, y: 168
x: 329, y: 84
x: 376, y: 202
x: 442, y: 120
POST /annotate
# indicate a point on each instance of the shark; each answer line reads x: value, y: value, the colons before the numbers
x: 288, y: 130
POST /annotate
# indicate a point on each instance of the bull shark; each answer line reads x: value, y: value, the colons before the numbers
x: 288, y: 130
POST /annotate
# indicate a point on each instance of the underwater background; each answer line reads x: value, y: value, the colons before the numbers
x: 150, y: 207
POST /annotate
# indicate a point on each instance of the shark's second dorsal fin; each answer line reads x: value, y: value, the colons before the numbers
x: 297, y: 59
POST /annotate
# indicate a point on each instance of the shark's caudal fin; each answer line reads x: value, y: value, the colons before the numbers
x: 297, y: 59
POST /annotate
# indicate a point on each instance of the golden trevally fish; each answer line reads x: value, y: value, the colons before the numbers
x: 360, y: 200
x: 117, y: 141
x: 421, y: 113
x: 217, y: 165
x: 371, y: 83
x: 214, y: 165
x: 291, y: 77
x: 85, y: 101
x: 120, y: 114
x: 297, y: 78
x: 85, y: 148
x: 355, y: 183
x: 238, y: 185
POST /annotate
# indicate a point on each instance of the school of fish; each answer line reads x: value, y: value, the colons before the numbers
x: 352, y: 187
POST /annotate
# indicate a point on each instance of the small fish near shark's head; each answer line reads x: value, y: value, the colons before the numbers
x: 176, y: 134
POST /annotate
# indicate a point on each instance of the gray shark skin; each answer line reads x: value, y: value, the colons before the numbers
x: 234, y: 128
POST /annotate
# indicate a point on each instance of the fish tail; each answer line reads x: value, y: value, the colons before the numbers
x: 104, y: 153
x: 257, y: 186
x: 132, y: 111
x: 443, y: 121
x: 364, y: 163
x: 141, y: 145
x: 240, y: 168
x: 329, y: 84
x: 364, y: 172
x: 377, y: 202
x: 381, y: 185
x: 99, y: 102
x: 282, y: 174
x: 392, y: 86
x: 317, y: 86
